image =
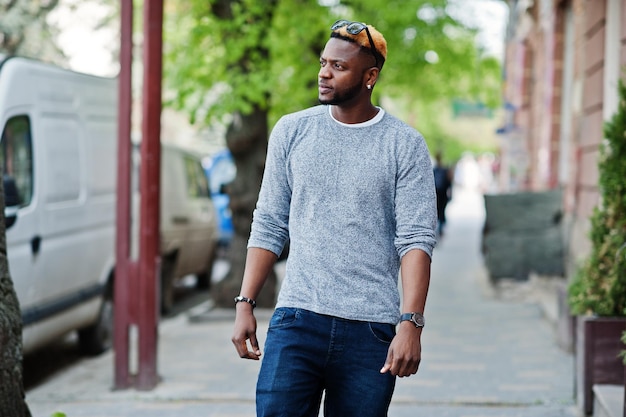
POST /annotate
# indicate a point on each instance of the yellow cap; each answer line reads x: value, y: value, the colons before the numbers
x: 380, y: 44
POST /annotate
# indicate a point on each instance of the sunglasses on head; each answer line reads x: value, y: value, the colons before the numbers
x: 354, y: 28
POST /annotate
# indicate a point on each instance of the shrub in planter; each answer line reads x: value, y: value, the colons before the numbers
x: 599, y: 287
x: 597, y: 293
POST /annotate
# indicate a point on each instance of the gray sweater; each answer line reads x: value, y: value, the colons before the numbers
x: 352, y: 199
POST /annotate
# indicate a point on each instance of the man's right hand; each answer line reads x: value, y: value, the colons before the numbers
x: 245, y: 329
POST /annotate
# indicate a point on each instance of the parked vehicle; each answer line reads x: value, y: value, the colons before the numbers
x: 58, y: 155
x: 58, y: 152
x: 220, y: 169
x: 188, y: 221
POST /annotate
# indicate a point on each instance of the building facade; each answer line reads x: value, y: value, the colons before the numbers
x: 563, y: 61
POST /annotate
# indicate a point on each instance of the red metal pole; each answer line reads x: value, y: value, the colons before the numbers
x: 150, y: 178
x: 122, y: 297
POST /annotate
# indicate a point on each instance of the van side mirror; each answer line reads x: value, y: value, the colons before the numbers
x: 11, y: 193
x: 12, y: 200
x: 10, y: 216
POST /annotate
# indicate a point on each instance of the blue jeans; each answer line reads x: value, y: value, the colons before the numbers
x: 307, y: 353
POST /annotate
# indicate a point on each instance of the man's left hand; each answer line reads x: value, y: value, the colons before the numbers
x: 405, y: 351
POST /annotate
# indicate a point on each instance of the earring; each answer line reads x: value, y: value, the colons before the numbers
x: 369, y: 87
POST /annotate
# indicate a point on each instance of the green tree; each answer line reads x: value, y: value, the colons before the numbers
x: 200, y: 53
x: 24, y: 30
x: 235, y: 34
x: 245, y: 63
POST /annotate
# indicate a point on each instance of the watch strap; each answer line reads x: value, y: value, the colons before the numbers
x: 414, y: 317
x: 241, y: 298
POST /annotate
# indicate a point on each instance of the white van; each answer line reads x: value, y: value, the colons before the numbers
x: 58, y: 154
x: 188, y: 220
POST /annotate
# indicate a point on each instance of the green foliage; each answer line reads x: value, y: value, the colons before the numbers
x: 58, y: 414
x: 600, y: 284
x: 25, y: 30
x: 233, y: 59
x: 487, y: 83
x: 433, y: 120
x: 451, y: 148
x: 279, y: 42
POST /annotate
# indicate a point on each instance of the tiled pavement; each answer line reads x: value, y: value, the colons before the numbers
x: 482, y: 356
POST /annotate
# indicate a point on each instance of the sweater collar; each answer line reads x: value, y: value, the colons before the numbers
x: 370, y: 122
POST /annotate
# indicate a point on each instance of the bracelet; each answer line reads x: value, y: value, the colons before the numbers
x: 241, y: 298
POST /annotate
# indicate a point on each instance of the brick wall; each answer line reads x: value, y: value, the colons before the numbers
x: 536, y: 94
x: 623, y: 35
x: 590, y: 21
x: 591, y: 117
x: 558, y: 63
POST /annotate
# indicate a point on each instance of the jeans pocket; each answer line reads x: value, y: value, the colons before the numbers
x: 282, y: 317
x: 384, y: 332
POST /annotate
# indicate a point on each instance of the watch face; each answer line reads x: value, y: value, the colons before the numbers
x: 418, y: 319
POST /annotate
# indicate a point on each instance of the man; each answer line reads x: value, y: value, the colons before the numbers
x: 352, y: 187
x: 443, y: 188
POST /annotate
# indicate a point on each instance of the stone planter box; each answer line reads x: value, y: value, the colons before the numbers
x: 522, y: 234
x: 598, y: 345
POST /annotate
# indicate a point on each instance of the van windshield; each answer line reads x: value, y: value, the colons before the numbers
x: 16, y: 158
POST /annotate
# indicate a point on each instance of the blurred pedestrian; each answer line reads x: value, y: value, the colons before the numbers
x: 352, y: 188
x: 443, y: 188
x: 486, y: 164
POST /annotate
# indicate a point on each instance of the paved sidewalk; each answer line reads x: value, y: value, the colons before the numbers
x: 482, y: 356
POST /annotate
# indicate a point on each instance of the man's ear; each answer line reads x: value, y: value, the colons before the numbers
x: 372, y: 76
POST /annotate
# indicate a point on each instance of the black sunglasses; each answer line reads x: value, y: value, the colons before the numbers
x: 354, y: 28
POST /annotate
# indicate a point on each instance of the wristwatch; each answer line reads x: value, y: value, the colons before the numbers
x: 243, y: 299
x: 416, y: 318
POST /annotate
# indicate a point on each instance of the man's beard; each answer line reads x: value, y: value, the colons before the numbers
x: 342, y: 97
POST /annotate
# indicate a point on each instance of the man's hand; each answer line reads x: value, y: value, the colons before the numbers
x: 405, y: 351
x: 245, y: 329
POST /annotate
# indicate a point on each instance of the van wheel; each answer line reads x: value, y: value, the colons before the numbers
x: 203, y: 279
x: 168, y: 264
x: 98, y: 338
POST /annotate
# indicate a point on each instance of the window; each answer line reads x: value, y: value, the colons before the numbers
x: 17, y: 160
x: 197, y: 182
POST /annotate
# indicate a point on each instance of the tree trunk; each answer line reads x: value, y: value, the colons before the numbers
x: 246, y: 139
x: 12, y: 398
